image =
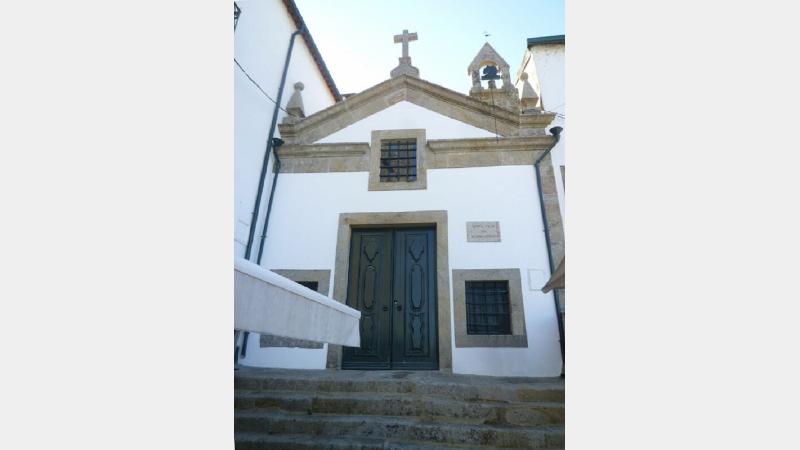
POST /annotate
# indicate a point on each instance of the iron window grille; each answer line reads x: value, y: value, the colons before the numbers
x: 488, y: 309
x: 398, y: 160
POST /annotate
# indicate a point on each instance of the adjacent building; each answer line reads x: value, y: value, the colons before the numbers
x: 275, y: 60
x: 540, y: 78
x: 262, y: 35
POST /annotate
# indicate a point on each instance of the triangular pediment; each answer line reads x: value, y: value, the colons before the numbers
x: 406, y: 116
x: 486, y: 55
x: 419, y: 92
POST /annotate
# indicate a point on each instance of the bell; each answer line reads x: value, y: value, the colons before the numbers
x: 490, y: 73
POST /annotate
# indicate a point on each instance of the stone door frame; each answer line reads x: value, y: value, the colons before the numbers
x: 438, y: 219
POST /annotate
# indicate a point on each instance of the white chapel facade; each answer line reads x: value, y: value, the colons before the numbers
x: 419, y: 206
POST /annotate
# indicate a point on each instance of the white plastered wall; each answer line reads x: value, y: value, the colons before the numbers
x: 406, y: 115
x: 283, y: 357
x: 304, y: 225
x: 261, y: 40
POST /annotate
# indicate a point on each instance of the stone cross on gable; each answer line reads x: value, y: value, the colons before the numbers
x: 405, y: 38
x: 405, y: 67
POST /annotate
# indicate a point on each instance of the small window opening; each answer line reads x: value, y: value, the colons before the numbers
x: 398, y: 160
x: 488, y: 310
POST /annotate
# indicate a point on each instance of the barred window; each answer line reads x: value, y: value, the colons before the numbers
x: 488, y: 310
x: 398, y: 160
x: 313, y: 285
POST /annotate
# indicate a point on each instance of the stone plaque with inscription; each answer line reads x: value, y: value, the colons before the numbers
x: 483, y: 231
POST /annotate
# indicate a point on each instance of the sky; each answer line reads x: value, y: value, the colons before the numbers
x: 355, y: 37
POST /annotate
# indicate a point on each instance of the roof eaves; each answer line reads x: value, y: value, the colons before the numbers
x: 291, y: 7
x: 556, y: 39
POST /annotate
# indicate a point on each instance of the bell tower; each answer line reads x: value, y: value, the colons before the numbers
x: 489, y: 66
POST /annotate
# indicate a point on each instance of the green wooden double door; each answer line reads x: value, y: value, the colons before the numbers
x: 392, y: 281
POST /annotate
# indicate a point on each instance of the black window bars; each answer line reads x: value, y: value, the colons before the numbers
x: 398, y: 160
x: 488, y: 309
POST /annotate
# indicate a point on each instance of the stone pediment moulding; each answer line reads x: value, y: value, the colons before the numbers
x: 509, y: 123
x: 440, y: 154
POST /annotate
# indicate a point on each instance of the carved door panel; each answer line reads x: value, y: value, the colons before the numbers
x: 392, y: 282
x: 369, y: 291
x: 414, y: 337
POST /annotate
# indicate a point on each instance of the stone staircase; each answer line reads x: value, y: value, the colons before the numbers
x: 316, y: 409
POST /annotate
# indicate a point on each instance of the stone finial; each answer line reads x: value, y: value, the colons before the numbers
x: 529, y: 99
x: 405, y: 67
x: 295, y: 105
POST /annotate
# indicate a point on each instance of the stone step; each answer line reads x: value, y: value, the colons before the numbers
x: 409, y: 405
x: 430, y: 383
x: 260, y: 441
x: 397, y: 428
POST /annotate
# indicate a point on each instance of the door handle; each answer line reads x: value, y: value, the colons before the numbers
x: 399, y: 306
x: 385, y: 308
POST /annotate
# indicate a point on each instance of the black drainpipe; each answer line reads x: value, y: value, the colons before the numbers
x: 270, y: 144
x: 277, y: 142
x: 557, y: 134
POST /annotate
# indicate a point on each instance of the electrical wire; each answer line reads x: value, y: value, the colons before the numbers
x: 257, y: 85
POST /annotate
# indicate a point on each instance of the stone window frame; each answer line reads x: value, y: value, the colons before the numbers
x: 375, y: 183
x: 519, y: 334
x: 323, y: 280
